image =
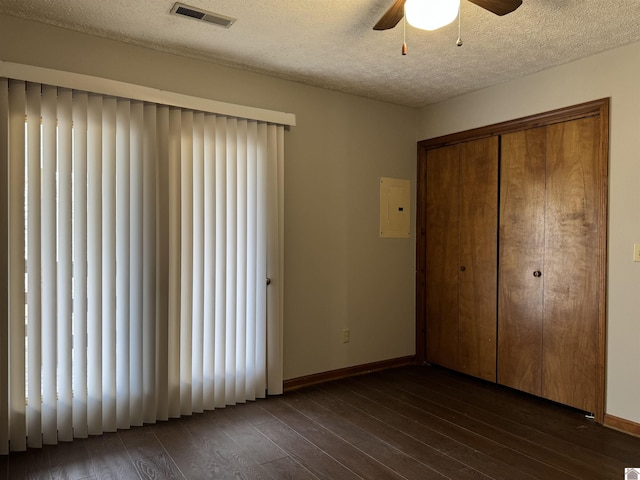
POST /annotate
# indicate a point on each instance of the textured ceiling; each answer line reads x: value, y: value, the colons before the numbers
x: 331, y: 44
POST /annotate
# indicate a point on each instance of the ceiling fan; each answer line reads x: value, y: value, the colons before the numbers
x: 395, y: 13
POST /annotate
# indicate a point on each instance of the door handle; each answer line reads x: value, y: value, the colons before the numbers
x: 537, y: 273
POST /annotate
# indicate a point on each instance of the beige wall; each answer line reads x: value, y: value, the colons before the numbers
x: 338, y: 273
x: 614, y: 74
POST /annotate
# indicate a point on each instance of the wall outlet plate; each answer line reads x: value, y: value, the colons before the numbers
x: 346, y: 336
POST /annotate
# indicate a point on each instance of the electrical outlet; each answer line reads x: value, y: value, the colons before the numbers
x: 346, y: 335
x: 636, y: 252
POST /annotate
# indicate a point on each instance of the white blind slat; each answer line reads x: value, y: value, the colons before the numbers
x: 34, y: 266
x: 49, y: 250
x: 80, y: 287
x: 252, y: 251
x: 162, y: 253
x: 209, y: 340
x: 149, y: 264
x: 94, y: 264
x: 186, y: 262
x: 198, y: 263
x: 232, y: 256
x: 109, y: 265
x: 123, y: 272
x: 65, y: 266
x: 261, y: 261
x: 221, y: 263
x: 275, y: 256
x: 175, y: 135
x: 17, y: 409
x: 241, y: 263
x: 135, y: 265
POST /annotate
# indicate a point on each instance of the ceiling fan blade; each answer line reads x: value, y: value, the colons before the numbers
x: 499, y: 7
x: 391, y: 17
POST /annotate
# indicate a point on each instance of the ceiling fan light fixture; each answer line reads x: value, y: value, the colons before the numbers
x: 431, y: 14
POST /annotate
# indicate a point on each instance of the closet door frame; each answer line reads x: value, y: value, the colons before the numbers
x: 597, y: 108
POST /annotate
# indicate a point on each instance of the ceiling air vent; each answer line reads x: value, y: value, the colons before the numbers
x: 202, y: 15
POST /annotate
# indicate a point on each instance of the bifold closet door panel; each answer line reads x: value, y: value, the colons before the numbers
x: 572, y: 296
x: 520, y: 298
x: 477, y: 275
x: 442, y: 256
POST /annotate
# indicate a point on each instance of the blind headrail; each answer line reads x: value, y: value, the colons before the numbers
x: 78, y: 81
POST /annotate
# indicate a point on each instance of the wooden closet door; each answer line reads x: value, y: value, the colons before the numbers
x: 520, y: 300
x: 477, y: 277
x: 442, y: 256
x: 574, y: 194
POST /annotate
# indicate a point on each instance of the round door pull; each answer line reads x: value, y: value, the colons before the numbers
x: 537, y: 273
x: 463, y: 268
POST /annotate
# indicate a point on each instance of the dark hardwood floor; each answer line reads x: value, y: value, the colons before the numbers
x: 411, y: 422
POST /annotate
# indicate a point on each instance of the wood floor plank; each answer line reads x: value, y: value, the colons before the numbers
x: 339, y: 449
x: 327, y: 418
x: 253, y: 413
x: 157, y: 467
x: 68, y: 460
x: 305, y: 453
x: 443, y: 436
x: 605, y: 465
x: 565, y: 456
x: 564, y: 462
x: 184, y: 451
x: 109, y: 458
x: 211, y: 437
x: 523, y: 408
x: 288, y: 469
x: 414, y: 445
x: 244, y: 434
x: 141, y: 442
x: 414, y: 422
x: 421, y: 425
x: 148, y: 455
x: 397, y: 460
x: 545, y: 420
x: 32, y: 464
x: 405, y: 465
x: 4, y: 467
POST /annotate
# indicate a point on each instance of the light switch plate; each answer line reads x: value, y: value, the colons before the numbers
x: 636, y: 252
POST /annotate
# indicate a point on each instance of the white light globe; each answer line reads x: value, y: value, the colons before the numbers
x: 431, y: 14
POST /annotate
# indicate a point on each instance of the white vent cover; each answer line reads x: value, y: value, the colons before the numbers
x: 202, y: 15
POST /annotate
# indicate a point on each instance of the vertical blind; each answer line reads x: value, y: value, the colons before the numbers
x: 136, y: 243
